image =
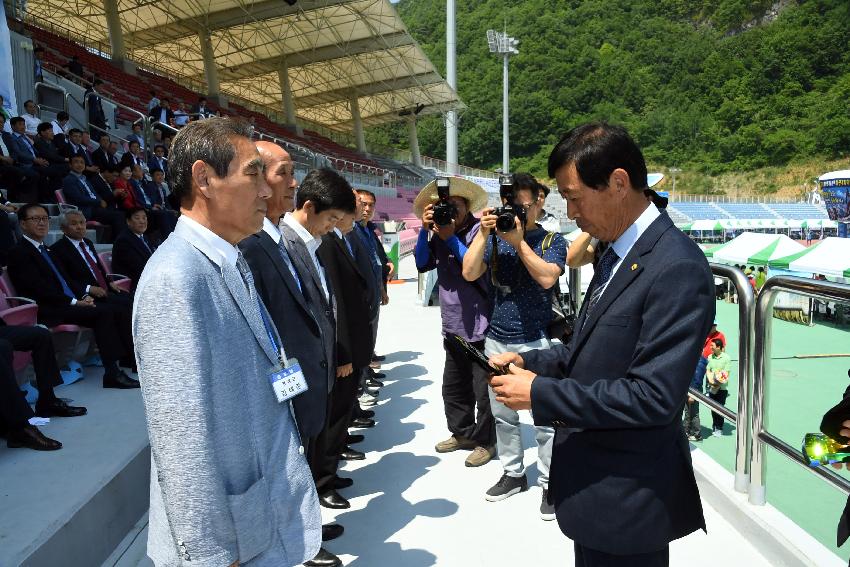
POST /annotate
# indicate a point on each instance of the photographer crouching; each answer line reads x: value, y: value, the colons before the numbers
x: 524, y: 263
x: 448, y: 228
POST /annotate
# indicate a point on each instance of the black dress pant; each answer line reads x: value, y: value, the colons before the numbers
x: 586, y: 557
x: 102, y: 319
x: 331, y: 440
x: 36, y: 340
x: 14, y: 409
x: 122, y: 304
x: 7, y: 237
x: 465, y: 387
x: 717, y: 419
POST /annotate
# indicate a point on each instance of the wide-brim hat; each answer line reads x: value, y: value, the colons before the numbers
x: 474, y: 194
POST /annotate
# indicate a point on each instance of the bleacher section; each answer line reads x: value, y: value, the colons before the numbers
x: 691, y: 211
x: 748, y: 211
x: 799, y: 211
x: 700, y: 211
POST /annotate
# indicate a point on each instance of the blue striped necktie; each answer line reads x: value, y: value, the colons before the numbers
x: 46, y: 255
x: 600, y: 278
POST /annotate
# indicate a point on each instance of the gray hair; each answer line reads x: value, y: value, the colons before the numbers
x: 64, y: 220
x: 210, y: 141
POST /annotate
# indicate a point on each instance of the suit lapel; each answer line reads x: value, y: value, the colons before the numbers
x: 630, y: 268
x: 344, y: 250
x: 301, y: 256
x: 273, y: 252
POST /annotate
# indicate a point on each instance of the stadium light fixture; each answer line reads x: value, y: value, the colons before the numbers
x: 502, y: 44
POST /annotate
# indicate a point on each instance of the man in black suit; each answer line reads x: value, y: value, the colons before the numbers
x: 162, y: 114
x: 92, y: 197
x: 23, y: 187
x: 133, y: 248
x: 57, y: 167
x: 284, y: 291
x: 36, y: 274
x: 75, y: 147
x: 621, y: 476
x: 97, y: 117
x: 101, y: 157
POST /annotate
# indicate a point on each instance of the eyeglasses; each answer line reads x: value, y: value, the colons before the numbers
x: 38, y: 219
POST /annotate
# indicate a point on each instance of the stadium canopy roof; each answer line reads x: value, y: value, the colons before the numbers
x: 334, y: 50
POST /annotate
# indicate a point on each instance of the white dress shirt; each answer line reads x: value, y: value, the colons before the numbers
x: 84, y: 255
x: 270, y: 229
x: 623, y: 245
x: 312, y: 245
x: 226, y: 252
x: 38, y: 246
x: 32, y: 123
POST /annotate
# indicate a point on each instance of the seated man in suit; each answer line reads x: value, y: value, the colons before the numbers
x: 132, y: 249
x: 76, y: 147
x: 133, y: 156
x: 622, y: 480
x: 158, y: 159
x: 162, y: 220
x: 162, y: 114
x: 77, y: 257
x: 90, y: 196
x: 305, y: 335
x: 36, y: 274
x: 57, y: 164
x: 102, y: 157
x: 158, y: 190
x: 22, y: 185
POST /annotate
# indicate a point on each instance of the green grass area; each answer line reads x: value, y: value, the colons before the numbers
x: 799, y: 391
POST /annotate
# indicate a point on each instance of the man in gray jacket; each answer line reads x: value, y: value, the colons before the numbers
x: 229, y: 481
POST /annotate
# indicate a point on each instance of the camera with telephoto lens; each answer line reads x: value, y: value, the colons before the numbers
x: 508, y: 213
x: 444, y: 212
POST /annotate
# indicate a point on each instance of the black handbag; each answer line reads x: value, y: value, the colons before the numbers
x: 563, y: 312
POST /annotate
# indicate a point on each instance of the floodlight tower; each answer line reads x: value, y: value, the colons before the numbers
x: 505, y: 46
x: 451, y: 79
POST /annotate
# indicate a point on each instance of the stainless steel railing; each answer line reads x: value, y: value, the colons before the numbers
x: 760, y: 437
x: 746, y: 306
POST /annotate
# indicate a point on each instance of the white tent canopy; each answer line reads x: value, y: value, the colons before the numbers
x: 754, y: 248
x: 831, y: 257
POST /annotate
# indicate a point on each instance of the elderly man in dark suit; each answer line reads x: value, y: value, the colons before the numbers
x: 283, y: 289
x: 621, y: 477
x: 133, y: 248
x: 91, y: 196
x: 102, y: 157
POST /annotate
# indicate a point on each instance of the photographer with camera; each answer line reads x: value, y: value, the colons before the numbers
x: 524, y: 263
x: 448, y: 228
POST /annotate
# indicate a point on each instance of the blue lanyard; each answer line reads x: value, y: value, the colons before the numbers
x: 267, y: 324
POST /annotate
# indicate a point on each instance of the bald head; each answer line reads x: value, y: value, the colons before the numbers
x: 280, y: 176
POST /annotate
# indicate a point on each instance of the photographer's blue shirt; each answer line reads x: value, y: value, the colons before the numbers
x: 522, y: 309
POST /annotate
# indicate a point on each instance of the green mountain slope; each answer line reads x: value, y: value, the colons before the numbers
x: 711, y: 85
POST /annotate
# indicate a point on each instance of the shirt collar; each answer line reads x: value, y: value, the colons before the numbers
x: 74, y: 241
x: 302, y: 232
x: 33, y: 242
x: 623, y: 245
x: 338, y: 232
x: 270, y: 229
x: 223, y: 252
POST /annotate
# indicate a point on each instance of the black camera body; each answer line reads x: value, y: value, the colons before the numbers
x: 508, y: 213
x: 444, y: 212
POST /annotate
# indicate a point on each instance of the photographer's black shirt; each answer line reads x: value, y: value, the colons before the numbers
x: 522, y: 312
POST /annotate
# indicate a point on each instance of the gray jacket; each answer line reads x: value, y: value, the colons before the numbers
x: 228, y: 477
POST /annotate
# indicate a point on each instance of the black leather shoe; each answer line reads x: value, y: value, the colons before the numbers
x: 366, y: 413
x: 372, y: 383
x: 378, y: 375
x: 58, y: 408
x: 332, y: 499
x: 362, y: 422
x: 349, y: 454
x: 379, y: 357
x: 353, y: 438
x: 331, y: 531
x: 324, y: 559
x: 31, y: 438
x: 120, y: 381
x: 340, y: 482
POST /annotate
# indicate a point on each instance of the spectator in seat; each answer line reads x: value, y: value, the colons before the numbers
x: 15, y: 412
x: 77, y: 257
x: 122, y: 190
x: 133, y: 155
x: 201, y: 109
x: 133, y: 248
x: 22, y: 186
x: 162, y: 113
x: 91, y: 196
x: 163, y: 220
x: 36, y: 274
x: 76, y: 147
x: 26, y: 158
x: 57, y: 164
x: 102, y: 157
x: 97, y: 117
x: 158, y: 190
x: 113, y: 151
x: 31, y: 118
x: 38, y: 69
x: 61, y: 125
x: 136, y: 136
x: 158, y: 159
x: 181, y: 117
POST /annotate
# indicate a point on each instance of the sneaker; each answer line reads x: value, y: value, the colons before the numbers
x: 695, y: 437
x: 455, y: 443
x: 480, y: 456
x: 367, y: 400
x: 547, y: 510
x: 717, y: 433
x: 507, y: 487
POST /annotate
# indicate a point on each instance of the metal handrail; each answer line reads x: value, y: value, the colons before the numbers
x: 746, y: 308
x: 117, y: 104
x: 759, y: 436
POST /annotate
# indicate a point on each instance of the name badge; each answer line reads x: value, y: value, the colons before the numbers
x: 288, y: 382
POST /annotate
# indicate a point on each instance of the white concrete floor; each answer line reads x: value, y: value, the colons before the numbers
x: 414, y: 508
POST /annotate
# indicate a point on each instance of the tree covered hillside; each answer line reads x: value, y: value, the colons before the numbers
x: 714, y: 85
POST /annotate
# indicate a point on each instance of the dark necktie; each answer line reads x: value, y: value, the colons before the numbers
x: 600, y: 278
x: 28, y: 144
x: 87, y: 187
x: 65, y: 288
x: 145, y: 243
x: 95, y: 269
x: 245, y: 272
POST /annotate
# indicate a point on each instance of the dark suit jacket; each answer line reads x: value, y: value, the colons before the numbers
x: 354, y: 335
x: 153, y: 163
x: 65, y: 255
x: 19, y: 150
x: 379, y: 247
x: 621, y: 477
x: 298, y: 327
x: 363, y: 261
x: 156, y: 113
x: 323, y: 310
x: 129, y: 256
x: 103, y: 160
x: 128, y: 159
x: 48, y: 151
x: 32, y: 277
x: 76, y: 194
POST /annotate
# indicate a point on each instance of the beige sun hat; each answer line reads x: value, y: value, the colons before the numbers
x: 458, y: 187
